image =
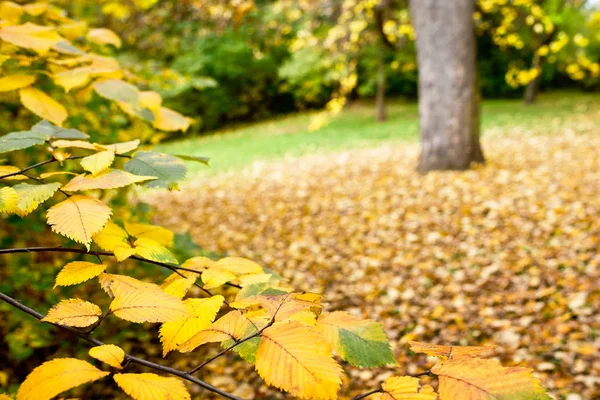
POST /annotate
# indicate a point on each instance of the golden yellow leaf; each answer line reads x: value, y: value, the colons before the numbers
x: 14, y: 82
x: 202, y: 313
x: 476, y: 378
x: 79, y: 218
x: 406, y: 388
x: 197, y: 263
x: 148, y: 305
x: 150, y: 100
x: 123, y: 252
x: 56, y: 376
x: 111, y: 237
x: 159, y: 234
x: 170, y: 120
x: 43, y: 105
x: 73, y: 78
x: 78, y: 271
x: 232, y: 325
x: 11, y: 11
x: 73, y: 30
x: 112, y: 179
x: 31, y: 36
x: 55, y: 173
x: 124, y: 147
x: 103, y: 36
x: 9, y: 169
x: 115, y: 285
x: 109, y: 354
x: 228, y: 269
x: 294, y: 358
x: 178, y: 285
x: 80, y: 144
x: 149, y: 386
x: 74, y: 312
x: 99, y: 162
x: 151, y: 250
x: 35, y: 9
x: 8, y: 200
x: 449, y: 352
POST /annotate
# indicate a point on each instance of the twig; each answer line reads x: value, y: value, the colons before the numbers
x: 362, y: 396
x: 128, y: 358
x: 28, y: 168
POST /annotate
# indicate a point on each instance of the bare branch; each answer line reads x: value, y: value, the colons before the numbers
x: 128, y: 358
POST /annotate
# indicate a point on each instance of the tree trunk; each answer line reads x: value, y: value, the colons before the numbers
x: 448, y: 93
x: 380, y: 99
x: 532, y: 87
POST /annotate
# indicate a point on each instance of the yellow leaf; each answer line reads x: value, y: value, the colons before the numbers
x: 43, y: 105
x: 170, y: 120
x: 108, y: 353
x: 449, y: 352
x: 115, y: 285
x: 31, y: 36
x: 35, y: 9
x: 159, y: 234
x: 79, y: 218
x: 103, y: 36
x: 80, y: 144
x: 55, y: 173
x: 294, y: 358
x: 72, y: 78
x: 232, y: 325
x: 112, y: 179
x: 198, y: 263
x: 73, y: 30
x: 406, y: 388
x: 149, y: 386
x: 125, y: 147
x: 10, y: 11
x: 123, y: 252
x: 150, y: 100
x: 78, y: 271
x: 476, y: 378
x: 151, y: 250
x: 56, y: 376
x: 228, y: 269
x: 9, y: 169
x: 148, y: 305
x: 31, y: 196
x: 73, y: 312
x: 8, y: 200
x: 111, y: 236
x: 177, y: 285
x: 202, y: 313
x: 14, y: 82
x: 97, y: 163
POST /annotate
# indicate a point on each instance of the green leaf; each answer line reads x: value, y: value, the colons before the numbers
x: 166, y: 168
x: 118, y: 90
x: 31, y: 196
x: 21, y: 140
x: 152, y: 250
x: 203, y: 160
x: 56, y: 132
x: 248, y: 349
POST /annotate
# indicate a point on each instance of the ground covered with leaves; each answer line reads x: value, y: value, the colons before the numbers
x: 506, y: 254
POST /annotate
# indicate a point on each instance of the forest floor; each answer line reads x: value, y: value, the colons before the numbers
x: 505, y: 254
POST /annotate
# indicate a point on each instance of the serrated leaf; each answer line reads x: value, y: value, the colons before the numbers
x: 8, y: 200
x: 56, y: 132
x: 112, y: 179
x: 21, y: 140
x: 159, y: 234
x: 104, y: 36
x: 74, y: 312
x: 55, y: 173
x: 48, y: 380
x: 148, y: 305
x: 9, y: 169
x: 232, y: 326
x: 99, y: 162
x: 449, y: 352
x: 294, y: 358
x: 198, y: 263
x: 109, y: 354
x: 79, y: 218
x: 178, y: 285
x: 43, y: 105
x: 77, y: 272
x: 14, y: 82
x: 115, y: 285
x: 361, y: 342
x: 111, y: 237
x: 151, y: 250
x: 118, y: 90
x: 406, y: 388
x: 79, y: 144
x: 477, y: 378
x: 248, y: 349
x: 170, y: 120
x: 202, y: 313
x: 166, y: 168
x: 31, y: 196
x: 149, y: 386
x: 228, y: 269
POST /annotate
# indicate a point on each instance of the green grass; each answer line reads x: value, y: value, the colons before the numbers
x: 356, y: 127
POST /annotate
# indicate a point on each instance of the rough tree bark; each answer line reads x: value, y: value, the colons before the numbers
x: 532, y: 87
x: 448, y: 93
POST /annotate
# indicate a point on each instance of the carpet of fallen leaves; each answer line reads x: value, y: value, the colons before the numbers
x: 507, y: 254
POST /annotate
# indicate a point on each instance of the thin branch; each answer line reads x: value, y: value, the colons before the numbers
x: 128, y: 358
x: 28, y: 168
x: 362, y: 396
